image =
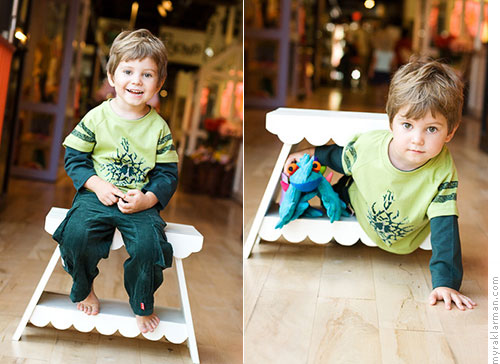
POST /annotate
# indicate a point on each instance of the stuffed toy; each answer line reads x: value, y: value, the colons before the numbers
x: 305, y: 182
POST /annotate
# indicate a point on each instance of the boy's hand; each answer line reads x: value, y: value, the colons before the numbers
x: 106, y: 192
x: 448, y: 295
x: 135, y: 201
x: 295, y: 157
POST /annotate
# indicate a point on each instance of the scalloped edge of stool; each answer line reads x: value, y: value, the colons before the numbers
x: 346, y: 232
x: 61, y: 313
x: 125, y: 330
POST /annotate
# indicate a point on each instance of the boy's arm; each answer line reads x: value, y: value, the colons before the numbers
x: 446, y: 263
x: 331, y: 156
x: 328, y: 155
x: 79, y: 166
x: 162, y: 182
x: 80, y: 169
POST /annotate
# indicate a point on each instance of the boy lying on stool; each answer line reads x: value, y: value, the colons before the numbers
x: 402, y: 183
x: 123, y: 164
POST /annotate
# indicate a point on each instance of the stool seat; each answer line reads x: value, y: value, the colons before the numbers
x: 185, y: 239
x: 319, y: 126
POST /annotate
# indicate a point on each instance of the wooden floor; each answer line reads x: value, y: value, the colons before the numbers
x: 307, y: 303
x: 214, y: 280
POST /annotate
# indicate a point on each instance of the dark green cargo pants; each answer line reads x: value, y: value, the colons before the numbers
x: 85, y: 238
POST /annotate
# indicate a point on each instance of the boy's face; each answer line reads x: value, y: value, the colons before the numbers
x: 135, y: 83
x: 416, y: 141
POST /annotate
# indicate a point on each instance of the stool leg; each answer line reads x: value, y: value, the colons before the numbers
x: 266, y: 200
x: 38, y: 293
x: 186, y: 309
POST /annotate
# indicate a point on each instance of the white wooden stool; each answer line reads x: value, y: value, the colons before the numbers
x: 317, y: 127
x: 175, y: 324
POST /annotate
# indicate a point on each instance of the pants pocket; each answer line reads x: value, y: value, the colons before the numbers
x: 59, y: 233
x: 164, y: 260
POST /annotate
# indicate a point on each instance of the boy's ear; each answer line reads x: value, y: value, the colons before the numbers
x: 160, y: 84
x: 450, y: 136
x: 110, y: 80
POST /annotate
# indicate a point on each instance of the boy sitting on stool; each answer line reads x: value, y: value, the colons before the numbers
x: 123, y: 164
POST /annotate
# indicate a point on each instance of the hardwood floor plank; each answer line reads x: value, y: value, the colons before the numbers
x: 347, y: 273
x: 280, y: 329
x: 35, y: 344
x: 414, y: 347
x: 345, y: 331
x: 402, y: 293
x: 296, y: 268
x: 12, y: 360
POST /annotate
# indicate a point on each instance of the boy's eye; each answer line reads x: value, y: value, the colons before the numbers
x: 431, y: 129
x: 127, y: 72
x: 148, y: 75
x: 406, y: 125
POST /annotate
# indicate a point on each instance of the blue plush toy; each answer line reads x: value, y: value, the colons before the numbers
x: 305, y: 182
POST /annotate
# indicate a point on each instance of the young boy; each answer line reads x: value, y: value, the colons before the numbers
x: 123, y: 164
x: 402, y: 183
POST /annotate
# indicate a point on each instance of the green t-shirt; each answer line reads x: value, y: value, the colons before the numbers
x: 123, y: 151
x: 392, y: 206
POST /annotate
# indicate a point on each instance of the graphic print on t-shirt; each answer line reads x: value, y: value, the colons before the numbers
x: 388, y: 224
x: 126, y: 167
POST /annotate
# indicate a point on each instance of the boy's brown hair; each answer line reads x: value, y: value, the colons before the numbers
x: 138, y: 44
x: 426, y: 85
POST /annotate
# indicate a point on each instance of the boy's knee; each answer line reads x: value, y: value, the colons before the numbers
x: 75, y: 234
x: 152, y: 251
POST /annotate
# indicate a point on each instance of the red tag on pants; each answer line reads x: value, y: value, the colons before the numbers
x: 142, y: 306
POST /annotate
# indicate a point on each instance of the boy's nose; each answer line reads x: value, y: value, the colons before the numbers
x: 417, y: 138
x: 137, y: 79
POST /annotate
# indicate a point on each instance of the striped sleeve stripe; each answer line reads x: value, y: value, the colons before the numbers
x: 170, y: 147
x: 165, y: 139
x: 88, y: 136
x: 350, y: 160
x: 444, y: 198
x: 87, y: 130
x: 448, y: 185
x: 447, y: 192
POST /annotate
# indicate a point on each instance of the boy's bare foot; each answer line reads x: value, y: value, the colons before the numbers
x: 89, y: 305
x: 147, y: 323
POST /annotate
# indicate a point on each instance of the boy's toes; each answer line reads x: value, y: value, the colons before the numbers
x: 142, y: 325
x: 147, y: 323
x: 82, y: 307
x: 88, y: 309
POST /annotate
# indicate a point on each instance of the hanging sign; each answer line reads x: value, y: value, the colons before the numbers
x: 184, y: 46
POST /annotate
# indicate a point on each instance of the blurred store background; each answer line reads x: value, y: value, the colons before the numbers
x: 53, y: 57
x: 295, y: 47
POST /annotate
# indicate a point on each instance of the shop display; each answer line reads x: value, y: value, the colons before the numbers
x: 212, y: 140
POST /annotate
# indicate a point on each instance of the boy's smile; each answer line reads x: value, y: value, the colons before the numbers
x: 135, y: 83
x: 417, y: 141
